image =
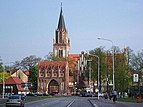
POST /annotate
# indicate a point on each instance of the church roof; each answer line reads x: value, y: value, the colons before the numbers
x: 52, y: 63
x: 74, y: 56
x: 61, y: 24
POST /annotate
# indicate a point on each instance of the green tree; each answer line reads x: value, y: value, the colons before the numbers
x: 94, y: 64
x: 121, y: 72
x: 33, y: 74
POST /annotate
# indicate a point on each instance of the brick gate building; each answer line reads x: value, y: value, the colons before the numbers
x: 59, y: 76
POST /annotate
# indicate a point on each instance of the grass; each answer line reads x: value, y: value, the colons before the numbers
x: 32, y: 98
x: 129, y: 99
x: 35, y: 98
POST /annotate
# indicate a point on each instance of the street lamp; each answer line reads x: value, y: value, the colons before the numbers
x: 112, y: 58
x: 89, y: 75
x: 3, y: 82
x: 98, y: 70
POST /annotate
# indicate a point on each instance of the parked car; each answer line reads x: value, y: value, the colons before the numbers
x: 23, y: 96
x: 15, y: 100
x: 86, y: 94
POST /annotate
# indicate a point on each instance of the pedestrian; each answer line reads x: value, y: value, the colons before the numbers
x: 110, y: 95
x: 106, y: 96
x: 114, y: 96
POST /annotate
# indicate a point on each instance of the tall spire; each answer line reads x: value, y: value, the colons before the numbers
x: 61, y: 45
x: 61, y: 24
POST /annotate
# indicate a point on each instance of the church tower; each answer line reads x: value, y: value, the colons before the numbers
x: 61, y: 43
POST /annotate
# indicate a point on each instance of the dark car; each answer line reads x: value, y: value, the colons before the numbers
x: 86, y: 94
x: 23, y: 96
x: 15, y: 100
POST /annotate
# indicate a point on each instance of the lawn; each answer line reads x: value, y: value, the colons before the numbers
x: 32, y: 98
x: 35, y: 98
x: 130, y: 99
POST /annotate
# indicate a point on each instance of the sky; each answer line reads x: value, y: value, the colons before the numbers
x: 27, y: 27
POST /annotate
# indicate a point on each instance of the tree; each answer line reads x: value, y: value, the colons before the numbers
x: 121, y: 72
x: 137, y: 67
x: 137, y: 62
x: 27, y: 63
x: 94, y: 64
x: 33, y: 74
x: 49, y: 57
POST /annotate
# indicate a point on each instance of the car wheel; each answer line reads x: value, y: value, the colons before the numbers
x: 21, y: 106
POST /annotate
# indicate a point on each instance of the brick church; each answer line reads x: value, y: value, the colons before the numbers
x: 59, y: 76
x: 67, y: 73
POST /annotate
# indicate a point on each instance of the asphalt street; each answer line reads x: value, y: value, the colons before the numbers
x: 76, y: 101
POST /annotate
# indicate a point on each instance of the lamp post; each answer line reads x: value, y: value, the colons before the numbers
x: 90, y: 76
x: 98, y: 70
x: 3, y: 82
x: 112, y: 58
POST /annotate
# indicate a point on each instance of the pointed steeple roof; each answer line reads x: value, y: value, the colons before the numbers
x: 61, y: 24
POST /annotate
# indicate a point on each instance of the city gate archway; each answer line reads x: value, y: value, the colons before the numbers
x: 53, y: 87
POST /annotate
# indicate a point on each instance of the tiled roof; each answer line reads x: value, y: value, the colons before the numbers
x: 52, y: 63
x: 13, y: 80
x: 74, y: 55
x: 20, y: 88
x: 26, y: 73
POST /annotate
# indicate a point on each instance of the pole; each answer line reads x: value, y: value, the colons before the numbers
x: 112, y: 59
x: 89, y: 74
x: 113, y: 67
x: 3, y: 88
x: 98, y: 70
x: 90, y: 78
x: 98, y: 74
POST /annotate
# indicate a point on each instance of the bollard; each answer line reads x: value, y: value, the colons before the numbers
x: 139, y: 99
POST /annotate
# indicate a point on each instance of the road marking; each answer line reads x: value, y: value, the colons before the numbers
x: 71, y: 103
x: 95, y: 105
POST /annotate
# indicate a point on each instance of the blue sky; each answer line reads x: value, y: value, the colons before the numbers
x: 27, y: 27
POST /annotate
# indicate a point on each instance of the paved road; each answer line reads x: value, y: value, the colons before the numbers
x: 61, y: 102
x: 76, y: 101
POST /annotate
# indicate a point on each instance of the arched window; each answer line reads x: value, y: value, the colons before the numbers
x: 62, y: 71
x: 42, y: 72
x: 48, y: 73
x: 55, y: 72
x: 60, y: 37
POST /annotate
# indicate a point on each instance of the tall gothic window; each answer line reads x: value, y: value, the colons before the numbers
x: 42, y: 72
x: 55, y: 72
x: 60, y: 53
x: 57, y: 37
x: 62, y: 71
x: 49, y: 71
x: 60, y: 37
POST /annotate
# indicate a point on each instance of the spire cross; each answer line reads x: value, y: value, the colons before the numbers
x: 61, y: 4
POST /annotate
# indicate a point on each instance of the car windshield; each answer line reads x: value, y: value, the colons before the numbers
x: 14, y: 97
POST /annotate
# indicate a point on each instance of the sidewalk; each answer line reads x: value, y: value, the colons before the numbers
x: 109, y: 103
